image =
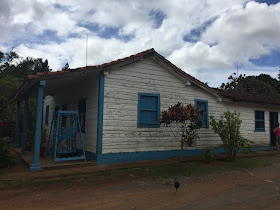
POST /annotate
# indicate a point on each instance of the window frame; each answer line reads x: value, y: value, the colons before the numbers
x: 141, y: 124
x: 206, y: 111
x: 82, y: 121
x: 47, y: 113
x: 257, y: 120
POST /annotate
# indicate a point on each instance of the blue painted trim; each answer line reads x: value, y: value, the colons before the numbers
x: 89, y: 155
x: 16, y: 145
x: 112, y: 158
x: 260, y: 129
x: 206, y: 111
x: 100, y: 113
x: 260, y: 148
x: 36, y: 166
x: 43, y: 82
x: 139, y: 123
x: 24, y: 127
x: 71, y: 158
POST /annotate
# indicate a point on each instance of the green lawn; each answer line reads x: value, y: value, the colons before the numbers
x: 165, y: 171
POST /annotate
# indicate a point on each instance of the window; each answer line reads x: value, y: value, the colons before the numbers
x: 148, y: 110
x: 47, y: 115
x: 259, y: 121
x: 203, y: 104
x: 64, y: 118
x: 82, y: 113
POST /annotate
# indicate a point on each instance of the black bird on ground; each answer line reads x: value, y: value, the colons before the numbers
x: 176, y: 183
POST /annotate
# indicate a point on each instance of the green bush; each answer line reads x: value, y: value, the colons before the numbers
x: 228, y: 128
x: 208, y: 156
x: 5, y: 158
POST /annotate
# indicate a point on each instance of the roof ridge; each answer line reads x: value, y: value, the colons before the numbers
x: 39, y: 74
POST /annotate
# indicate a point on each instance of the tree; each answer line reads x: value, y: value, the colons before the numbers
x: 187, y: 118
x: 13, y: 65
x: 13, y: 70
x: 228, y: 128
x: 1, y: 56
x: 233, y: 82
x: 263, y: 84
x: 66, y: 66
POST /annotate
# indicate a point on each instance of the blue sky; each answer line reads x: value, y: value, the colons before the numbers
x: 203, y: 38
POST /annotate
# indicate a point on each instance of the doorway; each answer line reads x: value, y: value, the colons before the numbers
x: 273, y: 120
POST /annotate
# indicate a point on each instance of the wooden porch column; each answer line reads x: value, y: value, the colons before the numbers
x: 16, y: 145
x: 36, y: 165
x: 24, y: 129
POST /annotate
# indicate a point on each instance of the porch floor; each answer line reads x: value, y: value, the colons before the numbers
x: 48, y: 163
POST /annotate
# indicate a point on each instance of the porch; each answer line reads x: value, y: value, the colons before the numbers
x: 69, y: 86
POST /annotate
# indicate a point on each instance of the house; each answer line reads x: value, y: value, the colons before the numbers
x: 119, y: 104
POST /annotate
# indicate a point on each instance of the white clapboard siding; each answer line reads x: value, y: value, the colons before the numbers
x: 120, y: 131
x: 87, y: 88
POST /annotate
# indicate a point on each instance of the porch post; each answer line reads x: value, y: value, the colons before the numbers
x: 24, y: 129
x: 16, y: 145
x: 36, y: 165
x: 100, y: 115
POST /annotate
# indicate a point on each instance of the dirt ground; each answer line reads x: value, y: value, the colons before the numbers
x: 257, y: 189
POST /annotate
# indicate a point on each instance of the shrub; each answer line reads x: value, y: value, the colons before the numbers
x: 228, y: 128
x: 208, y: 156
x: 187, y: 118
x: 5, y: 158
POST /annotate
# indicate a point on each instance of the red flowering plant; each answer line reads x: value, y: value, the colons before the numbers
x: 187, y: 118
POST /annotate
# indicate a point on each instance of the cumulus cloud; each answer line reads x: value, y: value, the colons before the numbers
x: 243, y: 33
x: 224, y: 31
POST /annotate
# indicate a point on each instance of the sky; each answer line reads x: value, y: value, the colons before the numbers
x: 205, y: 38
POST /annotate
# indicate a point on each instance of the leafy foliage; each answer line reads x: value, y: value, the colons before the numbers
x: 262, y: 84
x: 21, y: 68
x: 5, y: 159
x: 8, y: 87
x: 13, y: 70
x: 228, y: 128
x: 187, y: 118
x: 66, y: 66
x: 208, y: 156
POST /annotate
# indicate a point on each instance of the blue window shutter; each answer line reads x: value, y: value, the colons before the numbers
x: 47, y: 115
x: 203, y: 104
x: 148, y: 110
x: 259, y: 121
x: 82, y: 113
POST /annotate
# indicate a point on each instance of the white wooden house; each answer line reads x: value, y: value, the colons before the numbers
x: 120, y: 103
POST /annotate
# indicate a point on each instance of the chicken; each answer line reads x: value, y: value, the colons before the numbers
x: 176, y: 183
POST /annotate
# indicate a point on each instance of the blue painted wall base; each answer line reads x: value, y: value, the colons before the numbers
x: 111, y: 158
x: 35, y: 167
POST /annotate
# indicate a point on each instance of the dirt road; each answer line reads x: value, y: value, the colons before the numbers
x: 255, y: 189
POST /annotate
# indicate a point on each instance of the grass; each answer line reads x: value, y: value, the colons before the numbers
x: 165, y: 171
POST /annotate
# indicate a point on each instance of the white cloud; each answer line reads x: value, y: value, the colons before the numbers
x: 244, y: 33
x: 230, y: 30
